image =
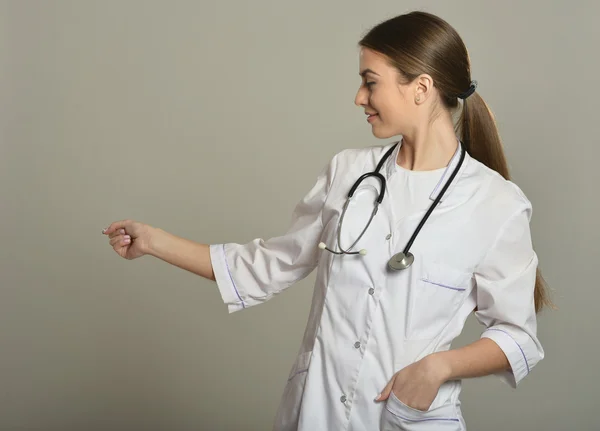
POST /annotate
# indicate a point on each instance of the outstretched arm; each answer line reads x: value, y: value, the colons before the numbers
x: 183, y: 253
x: 132, y: 239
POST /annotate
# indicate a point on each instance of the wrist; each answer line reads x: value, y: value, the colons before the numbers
x: 156, y: 239
x: 440, y: 366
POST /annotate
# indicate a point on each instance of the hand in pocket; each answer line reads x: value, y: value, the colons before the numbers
x: 417, y: 384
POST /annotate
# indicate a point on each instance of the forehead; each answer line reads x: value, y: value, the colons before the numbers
x: 369, y: 59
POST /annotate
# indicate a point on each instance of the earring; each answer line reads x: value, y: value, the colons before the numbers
x: 418, y: 99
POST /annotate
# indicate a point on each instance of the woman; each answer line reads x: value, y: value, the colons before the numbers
x: 450, y: 236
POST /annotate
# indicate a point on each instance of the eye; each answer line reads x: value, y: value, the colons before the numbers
x: 369, y: 84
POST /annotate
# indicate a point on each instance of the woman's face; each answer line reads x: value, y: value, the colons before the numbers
x: 391, y: 104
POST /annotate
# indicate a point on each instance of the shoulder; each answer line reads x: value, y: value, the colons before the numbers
x: 500, y: 199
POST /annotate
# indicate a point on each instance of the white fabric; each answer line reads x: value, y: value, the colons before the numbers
x: 367, y: 322
x: 410, y: 191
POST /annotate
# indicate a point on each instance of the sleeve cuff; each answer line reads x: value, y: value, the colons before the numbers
x: 226, y: 284
x: 517, y: 355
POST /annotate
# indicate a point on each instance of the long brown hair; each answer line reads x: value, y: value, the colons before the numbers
x: 419, y: 42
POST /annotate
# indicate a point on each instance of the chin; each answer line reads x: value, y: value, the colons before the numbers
x: 382, y: 134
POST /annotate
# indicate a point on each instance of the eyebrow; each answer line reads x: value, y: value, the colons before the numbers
x: 364, y: 72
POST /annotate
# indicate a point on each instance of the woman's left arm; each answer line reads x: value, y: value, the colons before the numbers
x: 418, y: 384
x: 481, y: 358
x: 505, y: 282
x: 508, y: 347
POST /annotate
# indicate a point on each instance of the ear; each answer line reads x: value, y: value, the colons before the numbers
x: 423, y: 88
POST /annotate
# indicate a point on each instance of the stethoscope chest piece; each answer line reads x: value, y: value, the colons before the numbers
x: 401, y: 261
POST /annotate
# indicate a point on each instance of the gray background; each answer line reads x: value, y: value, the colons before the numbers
x: 211, y: 119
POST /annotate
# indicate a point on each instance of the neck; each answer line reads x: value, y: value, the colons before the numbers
x: 429, y: 147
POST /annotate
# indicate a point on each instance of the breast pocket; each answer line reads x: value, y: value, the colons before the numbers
x: 435, y: 297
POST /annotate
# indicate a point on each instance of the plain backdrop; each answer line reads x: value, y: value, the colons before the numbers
x: 211, y: 119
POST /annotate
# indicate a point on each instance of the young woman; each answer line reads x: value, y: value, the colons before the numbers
x: 403, y: 255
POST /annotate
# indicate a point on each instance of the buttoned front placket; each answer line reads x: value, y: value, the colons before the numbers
x: 389, y: 234
x: 372, y: 295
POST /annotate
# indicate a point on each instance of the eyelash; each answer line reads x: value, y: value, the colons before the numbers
x: 368, y: 84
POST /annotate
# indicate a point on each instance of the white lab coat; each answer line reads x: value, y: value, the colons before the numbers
x: 367, y: 322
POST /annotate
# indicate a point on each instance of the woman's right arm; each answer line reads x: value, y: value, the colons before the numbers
x: 246, y: 274
x: 183, y: 253
x: 132, y: 239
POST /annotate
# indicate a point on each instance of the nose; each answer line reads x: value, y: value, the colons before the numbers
x: 361, y: 98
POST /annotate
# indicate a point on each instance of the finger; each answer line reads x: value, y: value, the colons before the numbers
x: 386, y: 391
x: 120, y: 241
x: 116, y: 226
x: 115, y: 240
x: 117, y: 232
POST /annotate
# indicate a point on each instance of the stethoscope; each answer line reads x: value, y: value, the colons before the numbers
x: 405, y: 258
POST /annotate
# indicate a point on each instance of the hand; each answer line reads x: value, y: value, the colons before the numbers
x: 418, y: 384
x: 130, y: 239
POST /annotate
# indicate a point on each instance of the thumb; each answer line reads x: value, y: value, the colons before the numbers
x: 115, y: 226
x: 386, y: 391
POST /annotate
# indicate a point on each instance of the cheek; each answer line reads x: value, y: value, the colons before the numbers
x: 394, y: 109
x: 381, y: 96
x: 384, y: 105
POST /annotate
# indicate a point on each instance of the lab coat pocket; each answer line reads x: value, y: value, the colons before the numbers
x: 289, y: 409
x: 398, y: 416
x: 435, y: 297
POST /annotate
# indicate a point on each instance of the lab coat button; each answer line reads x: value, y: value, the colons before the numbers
x: 389, y: 235
x: 357, y: 344
x: 371, y: 291
x: 343, y: 398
